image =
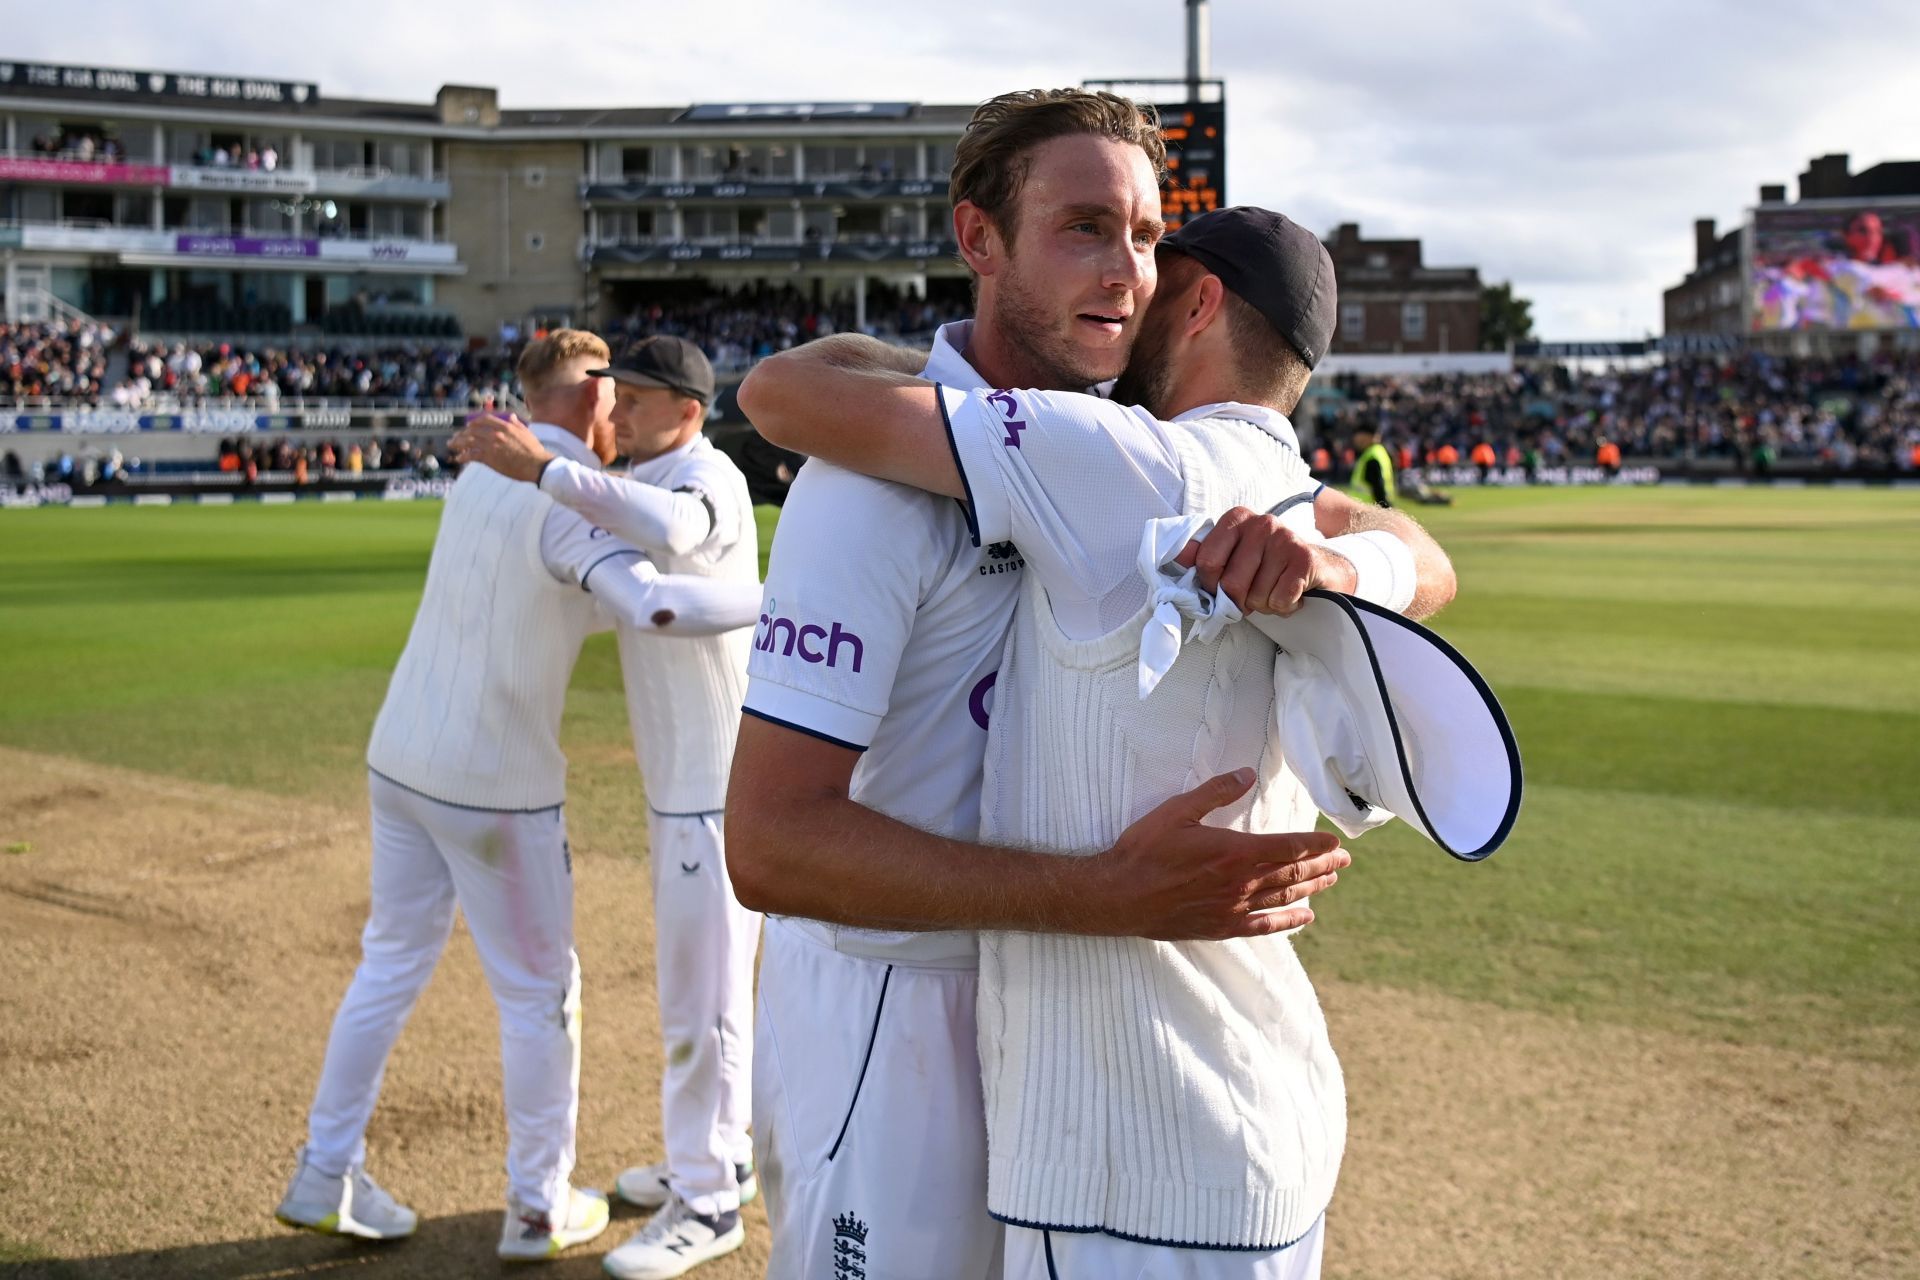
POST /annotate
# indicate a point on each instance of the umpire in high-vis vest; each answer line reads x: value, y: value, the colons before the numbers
x: 1372, y: 479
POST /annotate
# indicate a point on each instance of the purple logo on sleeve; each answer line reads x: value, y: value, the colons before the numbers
x: 786, y: 637
x: 1008, y: 408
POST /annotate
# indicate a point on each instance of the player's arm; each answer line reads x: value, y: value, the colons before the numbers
x: 798, y: 845
x: 1045, y: 470
x: 851, y: 400
x: 1264, y: 565
x: 631, y: 587
x: 656, y: 520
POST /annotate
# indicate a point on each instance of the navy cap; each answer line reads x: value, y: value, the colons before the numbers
x: 1272, y: 263
x: 664, y: 361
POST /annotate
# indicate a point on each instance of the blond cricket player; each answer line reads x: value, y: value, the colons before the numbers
x: 467, y: 783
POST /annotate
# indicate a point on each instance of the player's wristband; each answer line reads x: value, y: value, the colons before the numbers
x: 1383, y: 565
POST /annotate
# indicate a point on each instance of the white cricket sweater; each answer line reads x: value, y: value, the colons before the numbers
x: 684, y: 692
x: 472, y: 715
x: 1179, y: 1093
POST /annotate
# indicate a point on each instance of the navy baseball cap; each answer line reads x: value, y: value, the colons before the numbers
x: 1272, y: 263
x: 664, y: 361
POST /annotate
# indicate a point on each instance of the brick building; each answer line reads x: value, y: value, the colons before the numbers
x: 1392, y: 303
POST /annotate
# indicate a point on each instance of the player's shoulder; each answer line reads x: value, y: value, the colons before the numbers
x: 831, y: 510
x: 706, y: 466
x: 837, y: 494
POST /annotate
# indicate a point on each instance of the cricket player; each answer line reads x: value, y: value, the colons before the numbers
x: 686, y: 505
x: 467, y: 783
x: 1153, y: 1108
x: 855, y: 796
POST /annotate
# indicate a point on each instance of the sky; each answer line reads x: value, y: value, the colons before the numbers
x: 1565, y: 147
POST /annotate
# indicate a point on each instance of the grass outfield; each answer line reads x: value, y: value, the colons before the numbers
x: 1717, y: 694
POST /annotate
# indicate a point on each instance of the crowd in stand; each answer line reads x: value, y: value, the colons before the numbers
x: 195, y: 373
x: 68, y: 361
x: 277, y: 460
x: 737, y: 330
x: 328, y: 460
x: 1753, y: 410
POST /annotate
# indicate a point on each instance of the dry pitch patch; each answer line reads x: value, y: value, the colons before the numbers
x: 174, y: 952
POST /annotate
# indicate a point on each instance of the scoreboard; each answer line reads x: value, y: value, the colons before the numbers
x: 1196, y: 134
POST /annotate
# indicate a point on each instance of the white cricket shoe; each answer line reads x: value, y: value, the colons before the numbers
x: 532, y: 1235
x: 646, y: 1186
x: 674, y: 1242
x: 351, y: 1204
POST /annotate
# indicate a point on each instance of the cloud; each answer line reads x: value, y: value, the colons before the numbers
x: 1565, y: 146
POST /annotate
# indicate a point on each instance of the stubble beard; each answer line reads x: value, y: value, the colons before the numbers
x: 1148, y: 378
x: 1052, y: 360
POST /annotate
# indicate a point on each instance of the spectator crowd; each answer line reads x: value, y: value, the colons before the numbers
x: 736, y: 330
x: 1752, y: 409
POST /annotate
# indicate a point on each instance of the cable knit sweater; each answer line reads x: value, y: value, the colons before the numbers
x: 1180, y: 1093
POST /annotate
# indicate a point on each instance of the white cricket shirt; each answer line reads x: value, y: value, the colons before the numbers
x: 881, y: 630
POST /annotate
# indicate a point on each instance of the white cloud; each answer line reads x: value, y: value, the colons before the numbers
x: 1565, y: 146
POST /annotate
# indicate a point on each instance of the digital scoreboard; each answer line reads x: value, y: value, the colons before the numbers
x: 1196, y: 134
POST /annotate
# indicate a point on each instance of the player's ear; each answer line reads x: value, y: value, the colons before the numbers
x: 979, y: 239
x: 1206, y: 306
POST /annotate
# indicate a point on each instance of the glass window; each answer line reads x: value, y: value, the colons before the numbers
x: 39, y: 204
x: 636, y: 162
x: 716, y: 223
x: 701, y: 163
x: 1353, y: 321
x: 1413, y: 321
x: 269, y: 216
x: 861, y: 221
x: 397, y: 221
x: 886, y: 161
x: 783, y: 225
x: 402, y: 159
x: 825, y: 163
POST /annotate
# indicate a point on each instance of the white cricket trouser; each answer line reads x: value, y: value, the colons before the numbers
x: 704, y: 944
x: 1072, y: 1255
x: 512, y: 876
x: 868, y: 1121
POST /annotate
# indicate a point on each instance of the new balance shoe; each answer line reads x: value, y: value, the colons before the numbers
x: 532, y: 1235
x: 674, y: 1242
x: 348, y: 1204
x: 646, y: 1187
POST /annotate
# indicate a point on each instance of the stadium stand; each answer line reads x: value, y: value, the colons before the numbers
x: 1751, y: 409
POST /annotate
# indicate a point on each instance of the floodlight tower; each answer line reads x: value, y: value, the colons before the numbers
x: 1199, y: 42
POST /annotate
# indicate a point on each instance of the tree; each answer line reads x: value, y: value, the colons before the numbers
x: 1503, y: 317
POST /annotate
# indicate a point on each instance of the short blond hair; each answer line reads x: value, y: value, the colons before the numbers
x: 544, y: 357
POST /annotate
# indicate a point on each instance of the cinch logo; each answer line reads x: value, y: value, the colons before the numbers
x: 1008, y: 407
x: 805, y: 640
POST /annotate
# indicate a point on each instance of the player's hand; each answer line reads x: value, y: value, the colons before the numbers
x: 1263, y: 565
x: 1171, y: 878
x: 503, y: 442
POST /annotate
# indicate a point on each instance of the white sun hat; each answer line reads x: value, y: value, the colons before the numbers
x: 1380, y: 718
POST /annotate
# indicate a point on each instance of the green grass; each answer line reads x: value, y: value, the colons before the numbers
x: 1717, y: 694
